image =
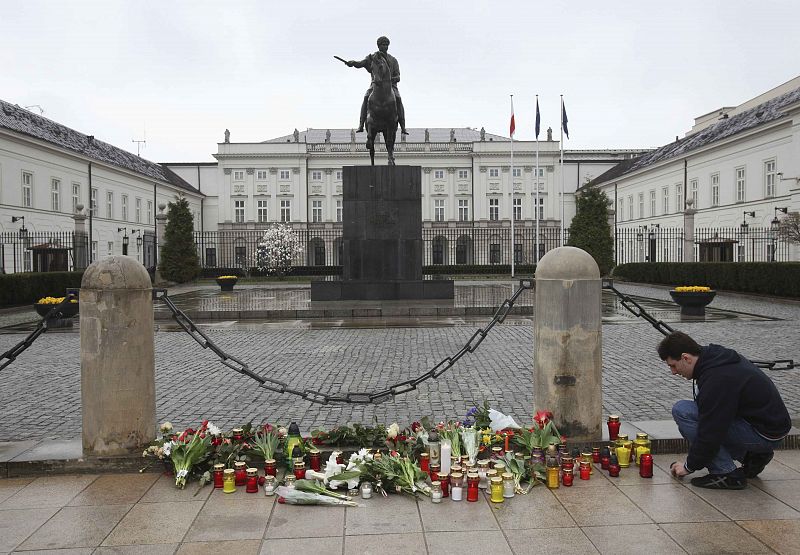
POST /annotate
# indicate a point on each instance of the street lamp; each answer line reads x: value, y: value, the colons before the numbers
x: 124, y: 240
x: 15, y: 219
x: 775, y: 221
x: 744, y: 225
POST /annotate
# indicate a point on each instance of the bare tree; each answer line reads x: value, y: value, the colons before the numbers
x: 789, y: 227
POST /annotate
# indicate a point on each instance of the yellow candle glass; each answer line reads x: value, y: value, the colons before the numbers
x: 552, y: 477
x: 228, y: 481
x: 497, y: 490
x: 624, y: 454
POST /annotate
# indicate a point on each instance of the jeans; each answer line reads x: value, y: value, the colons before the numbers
x: 741, y: 438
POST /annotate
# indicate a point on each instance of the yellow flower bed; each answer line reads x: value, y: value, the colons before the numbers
x: 54, y: 300
x: 692, y: 289
x: 228, y: 277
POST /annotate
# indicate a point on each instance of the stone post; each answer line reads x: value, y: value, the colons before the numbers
x: 80, y: 243
x: 567, y: 359
x: 117, y: 357
x: 688, y: 231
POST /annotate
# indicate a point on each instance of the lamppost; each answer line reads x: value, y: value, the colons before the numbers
x: 124, y: 240
x: 139, y: 241
x: 775, y: 227
x: 23, y: 235
x: 744, y: 226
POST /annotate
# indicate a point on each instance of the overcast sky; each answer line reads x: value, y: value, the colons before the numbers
x: 633, y: 74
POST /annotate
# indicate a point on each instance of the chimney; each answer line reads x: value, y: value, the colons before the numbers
x: 90, y: 138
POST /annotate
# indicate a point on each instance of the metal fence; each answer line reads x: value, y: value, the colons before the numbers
x: 442, y: 246
x: 45, y: 251
x: 723, y: 244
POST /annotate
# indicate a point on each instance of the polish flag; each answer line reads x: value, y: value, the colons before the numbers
x: 512, y: 126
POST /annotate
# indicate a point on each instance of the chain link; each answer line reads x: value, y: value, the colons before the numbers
x: 352, y: 397
x: 11, y: 355
x: 637, y: 310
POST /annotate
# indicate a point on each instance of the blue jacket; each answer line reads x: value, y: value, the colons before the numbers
x: 730, y: 387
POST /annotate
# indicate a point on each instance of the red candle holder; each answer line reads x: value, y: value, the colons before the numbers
x: 315, y: 460
x: 613, y: 426
x: 646, y: 465
x: 585, y: 471
x: 424, y: 462
x: 252, y: 480
x: 444, y: 480
x: 567, y: 477
x: 240, y: 473
x: 270, y: 468
x: 472, y: 486
x: 218, y: 470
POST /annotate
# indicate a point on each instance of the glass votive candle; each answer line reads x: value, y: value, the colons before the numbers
x: 585, y: 470
x: 252, y: 480
x: 228, y: 481
x: 315, y: 460
x: 567, y: 476
x: 444, y: 482
x: 240, y: 473
x: 434, y: 471
x: 299, y: 470
x: 218, y: 470
x: 457, y: 486
x: 508, y: 484
x: 473, y: 480
x: 436, y: 492
x: 269, y: 485
x: 613, y: 426
x: 270, y: 467
x: 424, y: 462
x: 366, y: 490
x: 496, y: 489
x: 483, y: 467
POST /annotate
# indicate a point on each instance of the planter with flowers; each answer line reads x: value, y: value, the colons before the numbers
x: 62, y: 318
x: 226, y: 283
x: 692, y: 299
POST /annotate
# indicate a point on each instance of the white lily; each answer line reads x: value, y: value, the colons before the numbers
x: 213, y: 430
x: 332, y: 468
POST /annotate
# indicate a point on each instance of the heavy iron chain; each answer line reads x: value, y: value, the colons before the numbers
x: 352, y: 397
x: 11, y: 355
x: 636, y: 309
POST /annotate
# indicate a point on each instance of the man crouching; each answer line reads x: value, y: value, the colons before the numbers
x: 737, y: 413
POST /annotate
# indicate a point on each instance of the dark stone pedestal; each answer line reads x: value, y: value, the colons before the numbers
x: 382, y: 238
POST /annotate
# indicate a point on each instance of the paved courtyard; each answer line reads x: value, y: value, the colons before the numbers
x: 144, y: 513
x: 40, y: 395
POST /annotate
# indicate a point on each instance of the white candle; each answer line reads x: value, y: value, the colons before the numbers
x: 446, y: 449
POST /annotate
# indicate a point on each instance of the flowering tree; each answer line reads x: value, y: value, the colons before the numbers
x: 278, y: 247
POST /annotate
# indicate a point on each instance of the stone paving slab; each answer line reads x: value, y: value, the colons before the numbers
x: 601, y: 515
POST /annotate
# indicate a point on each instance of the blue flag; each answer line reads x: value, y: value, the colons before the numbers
x: 564, y: 119
x: 538, y: 119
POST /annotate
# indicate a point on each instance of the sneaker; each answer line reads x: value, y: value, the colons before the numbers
x: 754, y: 463
x: 732, y: 480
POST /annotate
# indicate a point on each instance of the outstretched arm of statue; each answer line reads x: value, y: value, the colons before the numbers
x: 363, y: 63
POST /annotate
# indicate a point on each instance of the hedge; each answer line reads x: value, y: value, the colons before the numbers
x: 770, y: 278
x: 29, y: 287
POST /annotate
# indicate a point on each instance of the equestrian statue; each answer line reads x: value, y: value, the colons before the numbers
x: 382, y: 108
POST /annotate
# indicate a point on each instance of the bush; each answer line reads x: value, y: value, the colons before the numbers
x: 769, y: 278
x: 178, y: 261
x: 24, y: 288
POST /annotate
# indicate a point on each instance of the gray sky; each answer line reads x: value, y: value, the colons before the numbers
x: 633, y: 74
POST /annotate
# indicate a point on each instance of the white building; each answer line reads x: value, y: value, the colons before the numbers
x: 738, y: 164
x: 47, y: 171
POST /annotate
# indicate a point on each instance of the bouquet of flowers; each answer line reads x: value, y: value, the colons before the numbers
x: 389, y: 473
x: 266, y: 441
x: 188, y: 451
x: 541, y: 434
x: 520, y: 472
x: 471, y: 439
x: 452, y: 433
x: 294, y: 496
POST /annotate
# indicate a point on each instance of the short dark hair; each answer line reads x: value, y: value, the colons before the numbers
x: 383, y: 39
x: 677, y: 343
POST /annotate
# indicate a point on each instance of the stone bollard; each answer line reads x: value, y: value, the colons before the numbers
x: 117, y: 357
x: 567, y: 360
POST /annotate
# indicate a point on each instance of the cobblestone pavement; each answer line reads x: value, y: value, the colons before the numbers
x: 40, y: 393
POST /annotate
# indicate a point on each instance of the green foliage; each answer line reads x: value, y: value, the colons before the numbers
x: 769, y: 278
x: 589, y: 229
x: 24, y: 288
x: 178, y: 260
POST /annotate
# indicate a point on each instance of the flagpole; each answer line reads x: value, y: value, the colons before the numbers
x: 536, y: 207
x: 512, y: 185
x: 562, y: 170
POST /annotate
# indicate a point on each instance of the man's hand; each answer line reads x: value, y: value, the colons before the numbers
x: 351, y: 63
x: 678, y: 470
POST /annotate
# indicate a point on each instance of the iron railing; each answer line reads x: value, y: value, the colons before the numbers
x: 42, y: 251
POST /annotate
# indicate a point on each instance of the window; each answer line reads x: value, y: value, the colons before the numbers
x: 109, y: 204
x: 316, y: 211
x: 494, y: 251
x: 149, y: 211
x: 286, y: 210
x: 740, y: 184
x: 124, y: 201
x: 110, y: 248
x: 93, y: 200
x: 494, y: 172
x: 262, y: 211
x: 238, y: 211
x: 438, y: 209
x: 238, y: 175
x: 94, y: 250
x: 316, y: 176
x: 665, y: 200
x: 621, y: 210
x: 679, y: 197
x: 463, y: 210
x: 641, y: 205
x: 517, y: 203
x: 76, y: 196
x: 211, y: 257
x: 541, y: 207
x: 27, y: 189
x: 338, y: 175
x: 693, y: 193
x: 494, y: 209
x: 285, y: 175
x: 652, y: 203
x: 438, y: 174
x: 517, y: 172
x: 630, y: 207
x: 339, y: 210
x: 55, y: 194
x: 541, y: 172
x: 769, y: 178
x: 463, y: 174
x: 714, y: 189
x: 261, y: 175
x: 138, y: 210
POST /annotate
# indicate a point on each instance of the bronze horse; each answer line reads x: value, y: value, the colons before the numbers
x: 381, y: 109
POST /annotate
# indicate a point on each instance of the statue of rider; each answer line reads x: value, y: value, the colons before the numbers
x: 383, y: 47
